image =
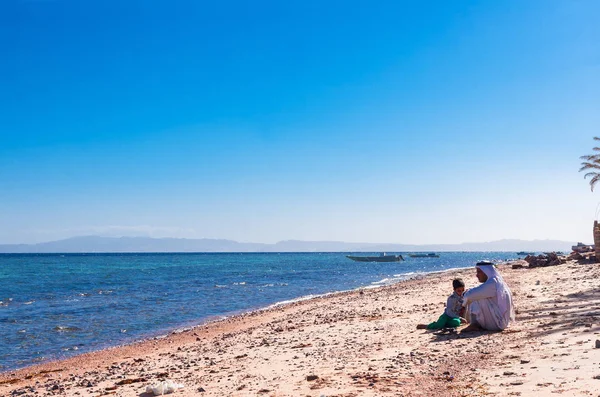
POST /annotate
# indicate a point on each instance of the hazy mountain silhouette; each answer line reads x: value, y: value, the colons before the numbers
x: 147, y: 244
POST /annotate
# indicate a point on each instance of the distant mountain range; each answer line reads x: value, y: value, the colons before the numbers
x: 147, y: 244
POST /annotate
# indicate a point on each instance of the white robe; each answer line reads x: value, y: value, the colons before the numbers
x: 490, y: 304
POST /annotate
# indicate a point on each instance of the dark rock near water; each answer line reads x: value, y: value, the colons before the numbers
x: 583, y: 257
x: 542, y: 260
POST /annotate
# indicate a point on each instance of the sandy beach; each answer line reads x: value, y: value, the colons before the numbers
x: 361, y: 343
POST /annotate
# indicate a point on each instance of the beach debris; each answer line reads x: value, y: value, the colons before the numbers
x: 10, y: 381
x: 597, y: 343
x: 310, y: 378
x: 130, y: 381
x: 165, y: 387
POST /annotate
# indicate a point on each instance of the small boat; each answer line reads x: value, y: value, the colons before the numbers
x: 581, y: 248
x: 429, y: 255
x: 381, y: 258
x: 525, y: 253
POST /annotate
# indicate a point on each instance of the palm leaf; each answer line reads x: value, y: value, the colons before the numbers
x: 591, y: 157
x: 591, y: 162
x: 587, y: 166
x: 594, y: 180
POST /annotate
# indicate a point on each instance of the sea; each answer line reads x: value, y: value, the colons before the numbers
x: 54, y: 306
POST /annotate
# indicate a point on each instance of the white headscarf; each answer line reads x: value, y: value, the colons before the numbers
x: 503, y: 294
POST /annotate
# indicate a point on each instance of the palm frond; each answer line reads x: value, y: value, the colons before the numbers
x: 587, y: 166
x: 591, y: 157
x: 593, y: 181
x: 592, y: 162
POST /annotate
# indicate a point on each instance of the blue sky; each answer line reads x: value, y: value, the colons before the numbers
x: 389, y: 121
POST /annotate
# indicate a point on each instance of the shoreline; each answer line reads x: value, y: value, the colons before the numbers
x: 239, y: 316
x: 191, y: 325
x: 355, y: 342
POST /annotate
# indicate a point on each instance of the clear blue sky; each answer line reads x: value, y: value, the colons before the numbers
x: 370, y: 121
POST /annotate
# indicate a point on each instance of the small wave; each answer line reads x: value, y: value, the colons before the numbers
x: 28, y: 303
x: 240, y: 283
x: 85, y: 294
x: 385, y: 280
x: 66, y: 349
x: 396, y: 278
x: 447, y: 270
x: 370, y: 287
x: 408, y: 275
x: 275, y: 285
x: 300, y: 299
x: 5, y: 302
x: 61, y: 328
x: 181, y: 330
x: 220, y: 286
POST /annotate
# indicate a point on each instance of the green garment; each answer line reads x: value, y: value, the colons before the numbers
x: 445, y: 321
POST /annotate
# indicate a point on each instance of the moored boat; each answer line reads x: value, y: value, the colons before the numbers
x: 381, y: 258
x: 423, y: 255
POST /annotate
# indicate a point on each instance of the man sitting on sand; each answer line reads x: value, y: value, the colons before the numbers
x: 489, y: 306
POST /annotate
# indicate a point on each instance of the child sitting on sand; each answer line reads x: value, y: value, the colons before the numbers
x: 453, y: 315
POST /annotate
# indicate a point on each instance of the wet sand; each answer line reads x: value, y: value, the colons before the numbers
x: 361, y: 343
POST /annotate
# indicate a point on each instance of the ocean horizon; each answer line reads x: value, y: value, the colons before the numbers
x: 54, y: 306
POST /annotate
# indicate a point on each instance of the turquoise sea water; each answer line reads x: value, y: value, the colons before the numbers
x: 53, y: 306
